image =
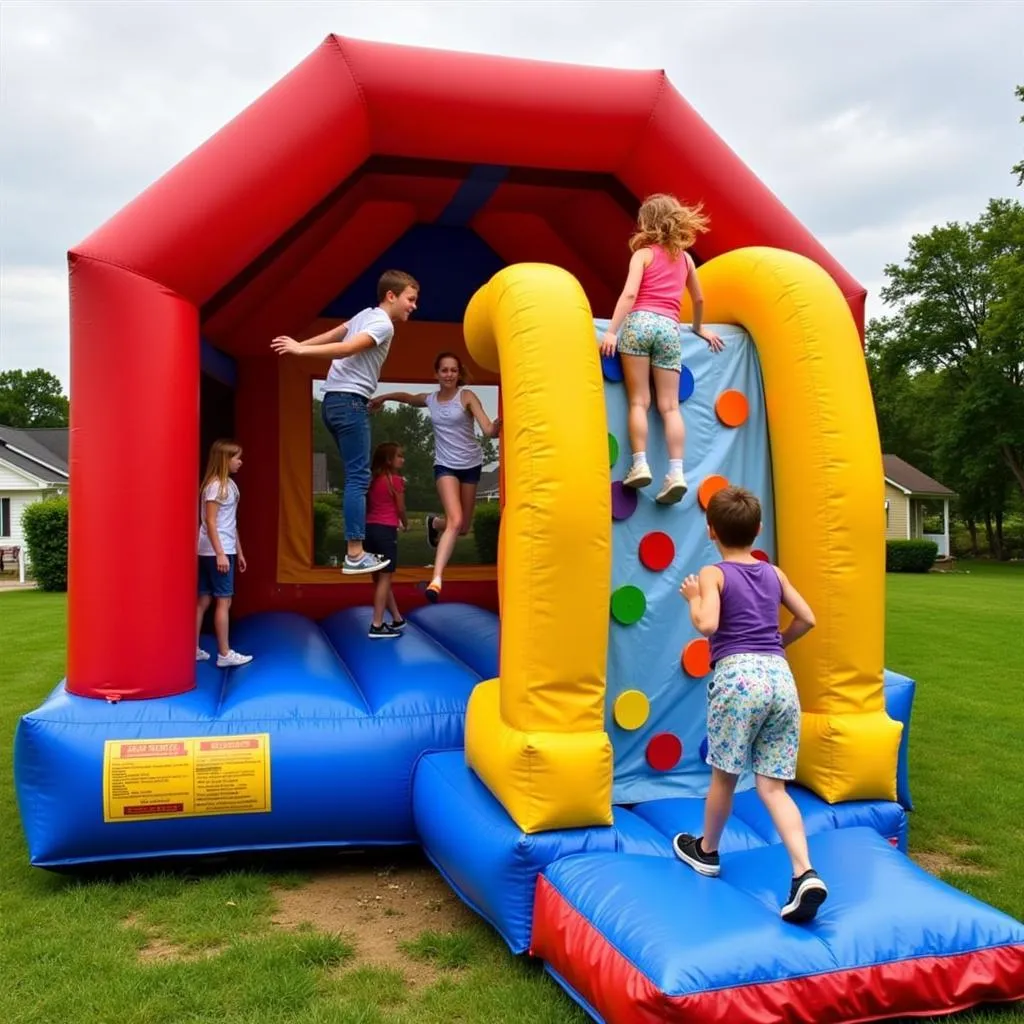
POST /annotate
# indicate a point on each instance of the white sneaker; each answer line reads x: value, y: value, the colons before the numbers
x: 233, y: 659
x: 202, y: 655
x: 638, y: 476
x: 672, y: 490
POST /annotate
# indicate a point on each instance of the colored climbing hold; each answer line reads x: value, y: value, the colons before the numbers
x: 703, y: 749
x: 631, y: 709
x: 624, y: 500
x: 628, y: 604
x: 664, y: 751
x: 657, y: 551
x: 761, y: 556
x: 708, y: 487
x: 613, y: 449
x: 611, y: 367
x: 686, y: 384
x: 696, y: 659
x: 731, y: 408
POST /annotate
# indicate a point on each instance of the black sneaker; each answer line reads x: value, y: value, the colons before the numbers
x: 806, y: 894
x: 432, y: 531
x: 688, y: 849
x: 397, y: 623
x: 382, y: 632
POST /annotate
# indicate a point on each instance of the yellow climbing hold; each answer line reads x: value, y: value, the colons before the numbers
x: 631, y: 709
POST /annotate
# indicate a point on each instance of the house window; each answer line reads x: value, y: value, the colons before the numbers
x: 5, y: 517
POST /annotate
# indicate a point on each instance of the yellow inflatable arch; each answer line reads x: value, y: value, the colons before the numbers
x: 536, y: 734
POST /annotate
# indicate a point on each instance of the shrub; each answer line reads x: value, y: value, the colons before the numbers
x: 486, y: 522
x: 46, y: 535
x: 323, y: 512
x: 910, y: 555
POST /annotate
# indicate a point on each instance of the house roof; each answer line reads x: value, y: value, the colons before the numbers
x: 40, y: 452
x: 912, y: 481
x: 447, y: 165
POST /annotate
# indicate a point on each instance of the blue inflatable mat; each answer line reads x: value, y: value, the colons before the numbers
x: 645, y: 940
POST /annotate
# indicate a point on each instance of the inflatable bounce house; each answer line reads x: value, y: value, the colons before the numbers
x: 541, y: 731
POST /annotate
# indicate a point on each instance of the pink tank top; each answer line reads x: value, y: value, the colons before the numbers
x: 661, y: 289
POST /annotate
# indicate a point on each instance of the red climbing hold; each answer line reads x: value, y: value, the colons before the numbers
x: 664, y: 751
x: 657, y: 551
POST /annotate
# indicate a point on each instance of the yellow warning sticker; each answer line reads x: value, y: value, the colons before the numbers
x: 186, y: 778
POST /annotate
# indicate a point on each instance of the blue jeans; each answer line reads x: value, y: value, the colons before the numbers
x: 346, y: 417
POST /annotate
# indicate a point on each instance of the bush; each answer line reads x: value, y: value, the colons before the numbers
x: 324, y: 510
x: 46, y: 535
x: 486, y: 522
x: 910, y: 555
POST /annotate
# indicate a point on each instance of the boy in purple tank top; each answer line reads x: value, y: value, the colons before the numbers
x: 753, y: 707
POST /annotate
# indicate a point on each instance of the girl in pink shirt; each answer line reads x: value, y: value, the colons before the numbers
x: 648, y: 315
x: 385, y: 512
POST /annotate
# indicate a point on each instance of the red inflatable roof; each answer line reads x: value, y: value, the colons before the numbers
x: 264, y: 224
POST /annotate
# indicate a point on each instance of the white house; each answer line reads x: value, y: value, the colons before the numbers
x: 907, y: 490
x: 33, y: 465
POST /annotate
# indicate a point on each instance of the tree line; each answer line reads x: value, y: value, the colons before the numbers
x: 946, y: 365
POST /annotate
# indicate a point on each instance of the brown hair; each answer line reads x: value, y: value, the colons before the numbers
x: 384, y: 456
x: 221, y: 454
x: 395, y: 281
x: 464, y: 377
x: 664, y: 221
x: 735, y: 516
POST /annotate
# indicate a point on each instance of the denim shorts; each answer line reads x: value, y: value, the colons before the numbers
x: 214, y: 583
x: 382, y: 539
x: 464, y: 476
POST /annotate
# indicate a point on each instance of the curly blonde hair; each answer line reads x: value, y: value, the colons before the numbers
x: 664, y: 221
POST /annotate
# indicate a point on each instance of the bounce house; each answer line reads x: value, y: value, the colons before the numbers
x: 540, y: 732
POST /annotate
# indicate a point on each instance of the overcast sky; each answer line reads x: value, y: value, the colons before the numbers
x: 870, y: 120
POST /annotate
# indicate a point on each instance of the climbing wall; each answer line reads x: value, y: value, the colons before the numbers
x: 658, y: 666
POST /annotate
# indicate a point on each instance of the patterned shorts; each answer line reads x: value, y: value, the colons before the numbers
x: 654, y: 336
x: 753, y: 716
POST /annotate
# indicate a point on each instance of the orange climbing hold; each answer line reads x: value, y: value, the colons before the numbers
x: 708, y: 487
x: 696, y: 659
x: 731, y: 408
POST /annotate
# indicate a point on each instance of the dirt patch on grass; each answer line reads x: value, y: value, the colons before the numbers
x: 160, y: 950
x: 954, y: 860
x: 377, y: 905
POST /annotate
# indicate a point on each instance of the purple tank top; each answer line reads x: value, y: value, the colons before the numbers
x: 749, y: 619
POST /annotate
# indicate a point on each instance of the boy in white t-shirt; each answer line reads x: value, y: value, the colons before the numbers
x: 358, y: 349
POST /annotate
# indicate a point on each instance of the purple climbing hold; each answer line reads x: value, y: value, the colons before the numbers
x: 624, y: 500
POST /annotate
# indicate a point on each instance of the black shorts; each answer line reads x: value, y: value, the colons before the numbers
x: 382, y: 540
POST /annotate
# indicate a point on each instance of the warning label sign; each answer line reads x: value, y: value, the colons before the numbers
x: 184, y: 778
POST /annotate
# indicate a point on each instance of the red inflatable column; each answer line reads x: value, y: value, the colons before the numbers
x: 134, y: 485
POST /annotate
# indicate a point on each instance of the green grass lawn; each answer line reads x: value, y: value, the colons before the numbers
x: 70, y: 949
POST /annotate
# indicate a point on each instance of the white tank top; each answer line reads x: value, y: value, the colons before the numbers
x: 455, y: 442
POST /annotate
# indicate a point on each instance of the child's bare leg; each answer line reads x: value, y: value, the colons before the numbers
x: 392, y: 606
x: 717, y: 808
x: 666, y: 389
x: 448, y: 490
x: 204, y: 603
x: 220, y: 624
x: 787, y: 820
x: 636, y: 371
x: 381, y: 589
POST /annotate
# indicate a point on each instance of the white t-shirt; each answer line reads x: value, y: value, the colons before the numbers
x: 360, y: 373
x: 227, y: 521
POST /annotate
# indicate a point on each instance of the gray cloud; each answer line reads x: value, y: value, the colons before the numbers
x: 869, y: 121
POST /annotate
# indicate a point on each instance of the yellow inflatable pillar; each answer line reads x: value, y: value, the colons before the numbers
x: 537, y: 737
x: 829, y: 507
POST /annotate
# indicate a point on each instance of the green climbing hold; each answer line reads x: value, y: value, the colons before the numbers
x: 628, y: 605
x: 613, y: 450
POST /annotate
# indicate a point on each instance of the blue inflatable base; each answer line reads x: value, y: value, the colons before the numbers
x: 345, y: 719
x: 493, y: 866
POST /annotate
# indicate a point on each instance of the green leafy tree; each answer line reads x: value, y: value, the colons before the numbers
x: 959, y: 310
x: 1018, y: 168
x: 32, y: 398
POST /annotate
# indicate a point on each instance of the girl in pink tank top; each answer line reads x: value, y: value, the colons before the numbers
x: 647, y: 314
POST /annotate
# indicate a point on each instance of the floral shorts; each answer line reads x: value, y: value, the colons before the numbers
x: 654, y: 336
x: 753, y: 716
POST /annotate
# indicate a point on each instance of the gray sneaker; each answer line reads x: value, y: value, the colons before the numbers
x: 233, y: 659
x: 366, y: 563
